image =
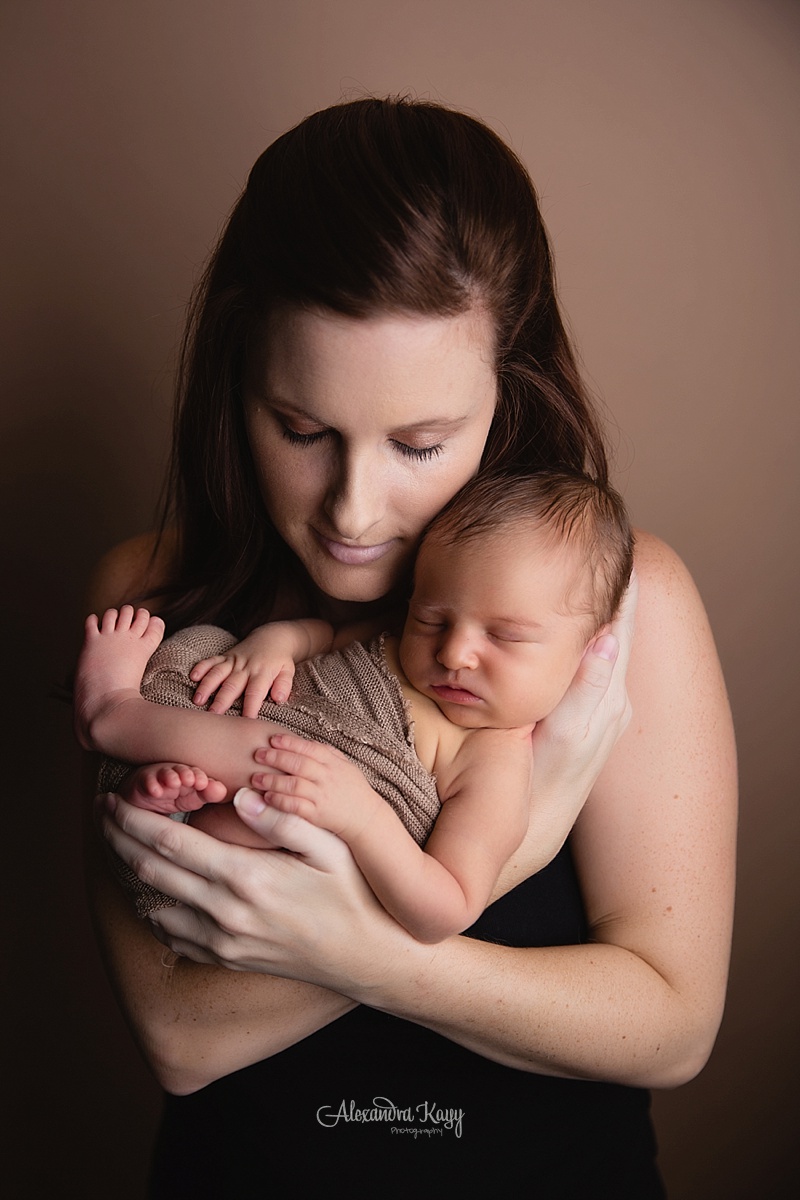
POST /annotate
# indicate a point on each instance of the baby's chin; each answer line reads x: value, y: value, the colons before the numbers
x: 483, y: 717
x: 469, y: 716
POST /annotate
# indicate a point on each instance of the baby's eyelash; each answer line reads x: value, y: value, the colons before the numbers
x: 419, y: 452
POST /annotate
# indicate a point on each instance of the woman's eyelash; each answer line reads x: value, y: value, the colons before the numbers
x: 304, y: 439
x: 421, y: 453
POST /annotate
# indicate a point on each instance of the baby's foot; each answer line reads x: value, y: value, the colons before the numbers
x: 111, y: 664
x: 171, y: 788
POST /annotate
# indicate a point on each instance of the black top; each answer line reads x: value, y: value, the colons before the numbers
x: 375, y: 1106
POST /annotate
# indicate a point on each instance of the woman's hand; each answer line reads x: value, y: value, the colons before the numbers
x: 572, y: 745
x: 302, y: 911
x: 575, y: 740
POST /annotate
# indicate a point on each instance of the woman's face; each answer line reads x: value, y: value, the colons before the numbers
x: 361, y: 430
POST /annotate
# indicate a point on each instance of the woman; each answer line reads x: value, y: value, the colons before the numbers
x: 378, y: 321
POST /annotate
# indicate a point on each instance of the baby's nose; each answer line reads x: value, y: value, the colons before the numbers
x: 457, y: 651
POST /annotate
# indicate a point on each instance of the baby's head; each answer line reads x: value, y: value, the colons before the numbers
x: 513, y: 580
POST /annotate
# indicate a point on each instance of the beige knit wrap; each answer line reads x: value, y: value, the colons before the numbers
x: 349, y: 699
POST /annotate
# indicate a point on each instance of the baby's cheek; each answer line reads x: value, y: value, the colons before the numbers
x: 222, y: 822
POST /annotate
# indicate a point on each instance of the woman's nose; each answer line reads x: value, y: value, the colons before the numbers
x: 355, y: 502
x: 457, y: 651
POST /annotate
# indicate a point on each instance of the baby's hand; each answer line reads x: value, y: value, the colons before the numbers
x: 171, y: 788
x: 317, y: 783
x: 255, y: 668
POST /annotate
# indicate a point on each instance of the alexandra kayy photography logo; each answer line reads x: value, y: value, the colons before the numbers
x: 426, y: 1119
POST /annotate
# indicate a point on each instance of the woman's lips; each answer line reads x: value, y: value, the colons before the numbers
x: 353, y: 556
x: 454, y: 695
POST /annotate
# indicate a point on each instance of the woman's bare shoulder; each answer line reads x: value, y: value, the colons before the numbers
x: 654, y: 558
x: 130, y: 569
x: 666, y: 588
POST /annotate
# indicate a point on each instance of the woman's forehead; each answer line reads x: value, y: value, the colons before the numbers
x: 304, y: 356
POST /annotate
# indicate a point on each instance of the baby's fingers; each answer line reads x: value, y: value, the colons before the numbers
x: 215, y: 674
x: 259, y: 685
x: 282, y: 684
x: 201, y: 669
x: 302, y: 758
x: 231, y: 688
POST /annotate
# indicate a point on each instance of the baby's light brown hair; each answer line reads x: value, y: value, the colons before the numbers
x: 574, y: 509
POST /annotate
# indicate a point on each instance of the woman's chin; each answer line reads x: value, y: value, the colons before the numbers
x: 355, y: 586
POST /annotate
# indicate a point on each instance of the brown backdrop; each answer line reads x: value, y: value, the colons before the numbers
x: 663, y: 136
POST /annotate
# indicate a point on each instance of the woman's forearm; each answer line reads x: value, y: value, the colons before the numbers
x: 196, y: 1022
x: 589, y: 1012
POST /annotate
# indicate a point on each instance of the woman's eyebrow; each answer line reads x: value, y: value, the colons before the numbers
x: 432, y: 423
x: 269, y: 397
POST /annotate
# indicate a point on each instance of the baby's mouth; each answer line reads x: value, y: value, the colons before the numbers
x: 455, y: 695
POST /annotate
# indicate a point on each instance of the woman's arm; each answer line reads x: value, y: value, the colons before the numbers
x: 654, y: 846
x: 193, y: 1021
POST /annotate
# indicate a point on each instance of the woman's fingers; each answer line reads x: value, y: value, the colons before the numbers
x: 624, y: 624
x: 596, y: 668
x: 598, y: 689
x: 318, y: 847
x: 168, y: 855
x: 186, y: 932
x: 186, y: 864
x: 572, y: 744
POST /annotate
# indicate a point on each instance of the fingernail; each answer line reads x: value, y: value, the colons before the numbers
x: 607, y: 647
x: 248, y: 802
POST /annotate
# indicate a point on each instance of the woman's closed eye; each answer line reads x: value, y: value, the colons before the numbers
x: 419, y: 453
x: 304, y: 439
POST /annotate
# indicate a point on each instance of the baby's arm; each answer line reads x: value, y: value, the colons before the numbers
x: 433, y: 892
x: 261, y: 664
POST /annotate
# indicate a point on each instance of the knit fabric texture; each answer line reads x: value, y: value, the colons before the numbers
x: 348, y: 699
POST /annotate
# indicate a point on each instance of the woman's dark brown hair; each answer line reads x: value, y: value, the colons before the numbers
x: 375, y: 206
